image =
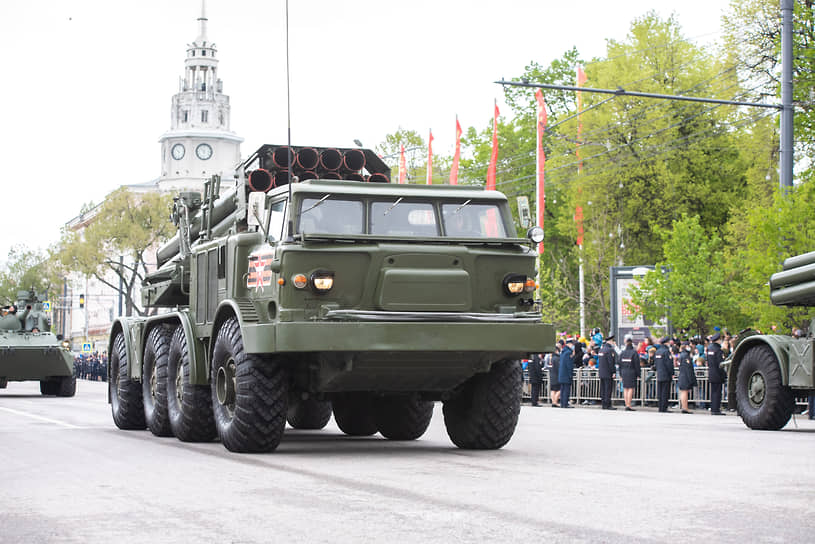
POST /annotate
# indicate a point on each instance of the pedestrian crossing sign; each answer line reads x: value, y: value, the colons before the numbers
x: 86, y: 347
x: 46, y: 306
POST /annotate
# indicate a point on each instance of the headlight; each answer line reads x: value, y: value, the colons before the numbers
x: 530, y: 285
x: 322, y: 281
x: 66, y: 344
x: 514, y: 284
x: 535, y: 234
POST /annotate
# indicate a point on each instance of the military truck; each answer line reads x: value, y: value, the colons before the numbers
x: 30, y: 351
x: 338, y: 292
x: 767, y: 371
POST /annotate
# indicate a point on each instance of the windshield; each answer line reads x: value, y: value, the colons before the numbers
x: 400, y: 218
x: 469, y: 220
x: 328, y: 215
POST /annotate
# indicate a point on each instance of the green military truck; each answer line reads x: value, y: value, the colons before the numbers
x: 29, y: 351
x: 338, y: 292
x: 767, y: 371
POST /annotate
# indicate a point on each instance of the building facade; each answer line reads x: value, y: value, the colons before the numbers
x: 198, y: 144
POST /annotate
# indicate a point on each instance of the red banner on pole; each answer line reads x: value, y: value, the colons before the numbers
x: 578, y: 218
x: 540, y: 193
x: 402, y: 165
x: 494, y: 155
x: 456, y: 156
x: 430, y: 159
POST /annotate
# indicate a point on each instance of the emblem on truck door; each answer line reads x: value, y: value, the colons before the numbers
x: 260, y: 269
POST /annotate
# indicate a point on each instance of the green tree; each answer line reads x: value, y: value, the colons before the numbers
x: 415, y: 154
x: 752, y: 31
x: 29, y: 269
x: 692, y: 290
x: 761, y: 239
x: 127, y: 224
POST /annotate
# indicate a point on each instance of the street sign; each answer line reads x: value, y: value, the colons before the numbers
x: 46, y: 306
x: 87, y: 347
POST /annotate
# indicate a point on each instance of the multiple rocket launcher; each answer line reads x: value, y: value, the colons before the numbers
x: 271, y: 166
x: 795, y: 284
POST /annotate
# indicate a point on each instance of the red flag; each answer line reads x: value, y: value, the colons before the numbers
x: 540, y: 194
x: 494, y: 155
x: 578, y: 218
x: 430, y: 159
x: 456, y: 156
x: 402, y: 168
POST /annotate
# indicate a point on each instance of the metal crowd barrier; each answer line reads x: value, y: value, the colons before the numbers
x: 586, y: 388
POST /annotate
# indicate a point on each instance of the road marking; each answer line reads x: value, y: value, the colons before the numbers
x: 41, y: 418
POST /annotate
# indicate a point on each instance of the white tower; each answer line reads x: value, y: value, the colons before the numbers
x: 199, y: 142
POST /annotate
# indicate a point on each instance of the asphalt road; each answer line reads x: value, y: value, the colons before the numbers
x: 581, y: 475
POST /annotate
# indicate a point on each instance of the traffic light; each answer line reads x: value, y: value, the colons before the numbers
x: 82, y: 301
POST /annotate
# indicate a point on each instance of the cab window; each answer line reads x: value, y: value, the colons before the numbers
x: 469, y: 220
x: 400, y: 218
x: 327, y: 215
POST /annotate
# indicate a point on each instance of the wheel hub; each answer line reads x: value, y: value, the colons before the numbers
x: 179, y: 383
x: 153, y: 385
x: 756, y: 389
x: 225, y: 384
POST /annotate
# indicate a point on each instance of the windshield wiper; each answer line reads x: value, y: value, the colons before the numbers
x: 315, y: 204
x: 461, y: 207
x: 393, y: 206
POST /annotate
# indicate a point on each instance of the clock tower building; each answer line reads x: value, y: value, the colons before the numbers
x: 199, y: 142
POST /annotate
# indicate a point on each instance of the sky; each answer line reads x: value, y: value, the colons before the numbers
x: 87, y: 84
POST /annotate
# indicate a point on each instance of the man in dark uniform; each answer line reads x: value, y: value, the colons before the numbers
x: 535, y: 378
x: 664, y: 364
x: 607, y: 369
x: 715, y: 374
x: 565, y: 373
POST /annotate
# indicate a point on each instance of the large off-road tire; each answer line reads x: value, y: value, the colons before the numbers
x: 154, y: 380
x: 354, y: 413
x: 47, y: 387
x: 249, y: 394
x: 189, y: 408
x: 309, y: 414
x: 402, y: 417
x: 763, y: 402
x: 125, y: 394
x: 66, y: 386
x: 483, y: 413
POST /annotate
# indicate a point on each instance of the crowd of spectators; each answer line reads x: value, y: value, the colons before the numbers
x: 662, y: 358
x: 91, y: 366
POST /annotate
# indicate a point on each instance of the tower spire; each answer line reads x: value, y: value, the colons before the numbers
x: 202, y: 23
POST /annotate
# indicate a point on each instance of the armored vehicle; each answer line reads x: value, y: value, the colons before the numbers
x: 338, y: 292
x: 30, y: 351
x: 766, y: 371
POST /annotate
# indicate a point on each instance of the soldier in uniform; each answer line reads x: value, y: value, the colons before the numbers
x: 565, y: 373
x: 629, y: 370
x: 535, y: 378
x: 663, y: 362
x: 716, y: 375
x: 607, y: 369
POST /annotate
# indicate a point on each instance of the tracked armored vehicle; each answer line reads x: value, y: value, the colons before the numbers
x: 29, y: 351
x: 767, y: 371
x: 337, y: 293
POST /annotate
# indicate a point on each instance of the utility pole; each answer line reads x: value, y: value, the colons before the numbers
x: 787, y: 136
